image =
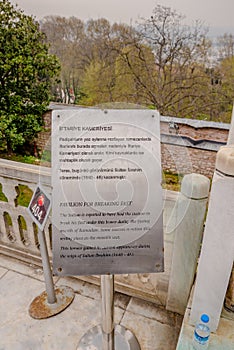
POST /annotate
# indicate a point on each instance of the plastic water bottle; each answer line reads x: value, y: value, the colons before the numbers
x: 201, y: 333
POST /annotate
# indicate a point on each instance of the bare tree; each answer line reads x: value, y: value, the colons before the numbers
x: 66, y: 37
x: 175, y: 80
x: 225, y: 46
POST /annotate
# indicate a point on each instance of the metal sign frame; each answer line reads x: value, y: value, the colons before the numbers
x: 107, y: 197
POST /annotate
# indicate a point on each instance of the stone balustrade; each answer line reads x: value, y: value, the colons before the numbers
x: 19, y: 235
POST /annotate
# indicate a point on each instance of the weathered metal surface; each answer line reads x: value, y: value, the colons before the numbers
x: 107, y: 195
x: 40, y: 308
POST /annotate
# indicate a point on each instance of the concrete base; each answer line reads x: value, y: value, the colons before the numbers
x: 123, y: 340
x: 40, y: 308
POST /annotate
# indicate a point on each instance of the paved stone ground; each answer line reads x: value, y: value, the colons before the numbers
x: 154, y: 328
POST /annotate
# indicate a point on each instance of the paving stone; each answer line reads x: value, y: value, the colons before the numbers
x: 152, y: 311
x: 19, y: 331
x: 25, y: 269
x: 151, y: 335
x: 2, y: 271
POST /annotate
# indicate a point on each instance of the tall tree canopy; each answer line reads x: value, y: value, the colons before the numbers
x: 160, y: 62
x: 26, y: 73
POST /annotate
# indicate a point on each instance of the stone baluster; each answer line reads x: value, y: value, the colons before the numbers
x: 216, y: 259
x: 189, y: 214
x: 8, y: 188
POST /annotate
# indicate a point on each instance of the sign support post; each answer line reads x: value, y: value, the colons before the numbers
x: 51, y: 297
x: 108, y: 336
x: 52, y: 301
x: 107, y: 293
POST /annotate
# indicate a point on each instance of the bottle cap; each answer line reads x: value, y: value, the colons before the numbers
x: 205, y: 318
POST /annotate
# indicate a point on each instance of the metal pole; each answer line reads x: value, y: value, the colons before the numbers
x: 107, y: 294
x: 51, y: 297
x: 107, y: 336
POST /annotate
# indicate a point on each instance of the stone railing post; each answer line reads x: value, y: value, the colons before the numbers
x: 188, y: 227
x: 216, y: 259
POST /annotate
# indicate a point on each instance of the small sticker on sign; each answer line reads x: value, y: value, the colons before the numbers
x: 39, y: 207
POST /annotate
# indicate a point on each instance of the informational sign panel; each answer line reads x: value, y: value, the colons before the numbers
x: 39, y: 207
x: 107, y: 195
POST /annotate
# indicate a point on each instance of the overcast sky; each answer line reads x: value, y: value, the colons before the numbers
x: 213, y: 13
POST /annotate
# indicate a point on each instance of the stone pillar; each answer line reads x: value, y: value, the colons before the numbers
x: 230, y: 140
x: 229, y: 300
x: 188, y: 227
x: 216, y: 259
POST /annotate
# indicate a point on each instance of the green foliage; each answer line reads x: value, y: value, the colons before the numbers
x: 20, y: 158
x: 26, y: 73
x: 46, y: 156
x: 134, y: 78
x: 227, y: 82
x: 97, y: 84
x: 24, y: 195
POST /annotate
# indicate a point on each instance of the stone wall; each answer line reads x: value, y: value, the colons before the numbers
x: 196, y: 129
x: 191, y: 145
x: 187, y: 145
x: 179, y: 160
x: 43, y: 141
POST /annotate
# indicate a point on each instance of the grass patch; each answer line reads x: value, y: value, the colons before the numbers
x: 22, y: 223
x: 24, y: 195
x: 171, y: 181
x: 45, y: 158
x: 20, y: 158
x: 3, y: 198
x: 7, y: 219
